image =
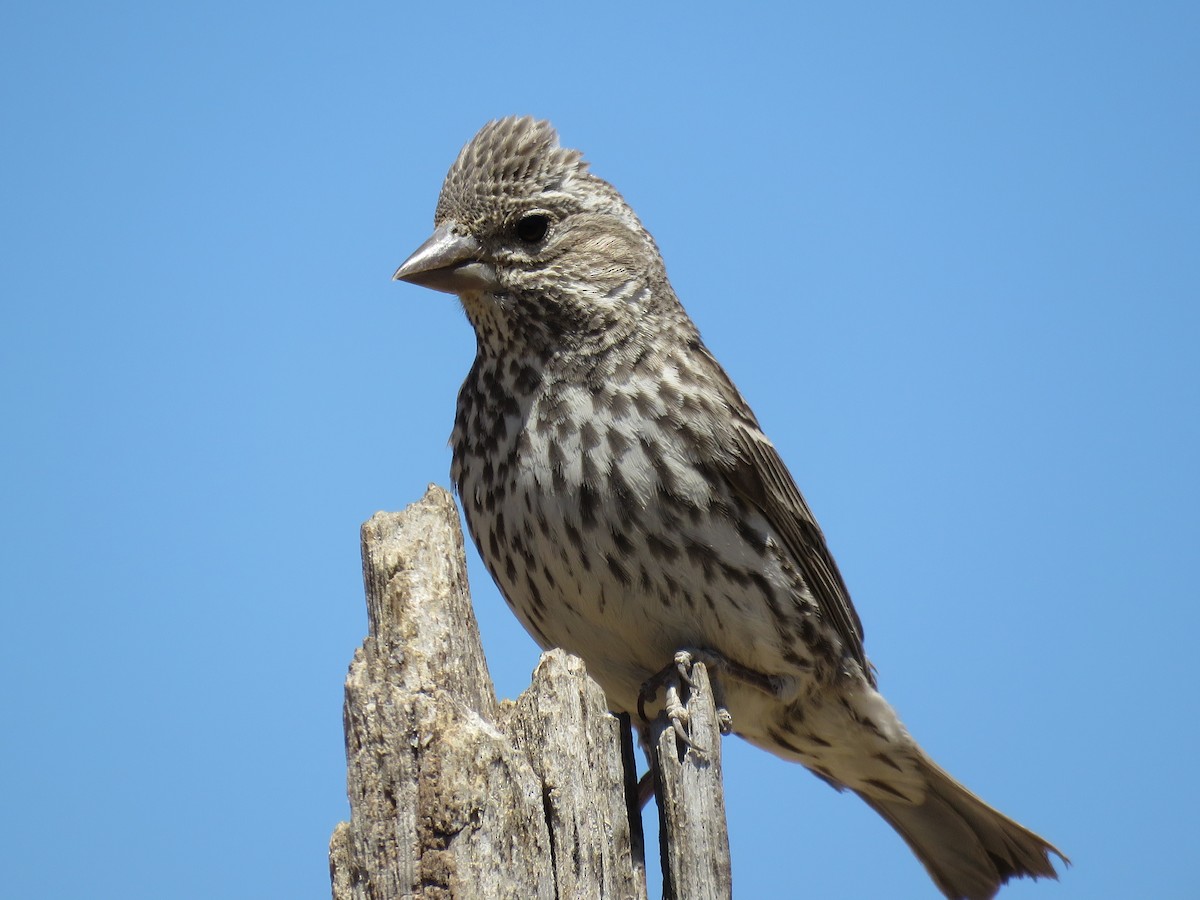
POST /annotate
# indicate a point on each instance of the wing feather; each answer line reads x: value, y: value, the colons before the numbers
x: 753, y: 468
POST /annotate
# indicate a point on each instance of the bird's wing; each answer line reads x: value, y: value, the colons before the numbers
x: 755, y: 471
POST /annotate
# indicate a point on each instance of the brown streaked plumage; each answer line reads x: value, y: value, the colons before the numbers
x: 628, y: 505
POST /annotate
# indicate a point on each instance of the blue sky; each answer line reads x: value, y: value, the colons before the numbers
x: 949, y: 254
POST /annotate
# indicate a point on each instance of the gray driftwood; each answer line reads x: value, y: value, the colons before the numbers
x: 453, y: 795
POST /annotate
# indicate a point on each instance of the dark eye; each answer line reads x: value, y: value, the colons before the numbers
x: 533, y: 228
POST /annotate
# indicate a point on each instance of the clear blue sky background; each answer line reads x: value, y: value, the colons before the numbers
x: 949, y: 254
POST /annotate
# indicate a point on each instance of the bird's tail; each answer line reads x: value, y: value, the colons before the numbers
x: 969, y: 848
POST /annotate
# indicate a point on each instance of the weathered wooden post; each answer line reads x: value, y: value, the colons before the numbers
x: 453, y: 795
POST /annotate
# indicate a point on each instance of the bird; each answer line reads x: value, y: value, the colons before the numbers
x: 629, y: 506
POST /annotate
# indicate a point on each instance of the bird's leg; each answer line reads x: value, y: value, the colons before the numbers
x: 673, y: 706
x: 717, y: 665
x: 679, y: 673
x: 645, y: 787
x: 674, y: 677
x: 649, y: 690
x: 634, y: 798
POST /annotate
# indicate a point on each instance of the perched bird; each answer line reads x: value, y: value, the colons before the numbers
x: 629, y: 506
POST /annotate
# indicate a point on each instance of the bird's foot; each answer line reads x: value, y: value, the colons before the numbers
x: 679, y: 674
x: 676, y: 712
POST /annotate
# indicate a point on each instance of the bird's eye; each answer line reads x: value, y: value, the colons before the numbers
x: 533, y: 228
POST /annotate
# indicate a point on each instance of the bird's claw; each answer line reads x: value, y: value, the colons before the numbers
x: 684, y: 660
x: 679, y: 674
x: 677, y: 715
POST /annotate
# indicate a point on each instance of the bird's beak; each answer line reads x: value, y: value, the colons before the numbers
x: 449, y: 261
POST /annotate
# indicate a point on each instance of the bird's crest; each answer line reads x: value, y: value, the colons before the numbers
x: 513, y: 155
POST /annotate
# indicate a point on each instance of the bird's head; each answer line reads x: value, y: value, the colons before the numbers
x: 538, y: 249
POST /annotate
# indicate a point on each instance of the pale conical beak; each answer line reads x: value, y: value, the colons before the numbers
x: 449, y: 261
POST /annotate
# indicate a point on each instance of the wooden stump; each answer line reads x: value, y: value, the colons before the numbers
x: 453, y: 795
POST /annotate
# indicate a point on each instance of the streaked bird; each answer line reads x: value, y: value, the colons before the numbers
x: 628, y: 505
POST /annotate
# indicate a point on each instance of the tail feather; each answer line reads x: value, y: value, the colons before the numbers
x: 968, y: 848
